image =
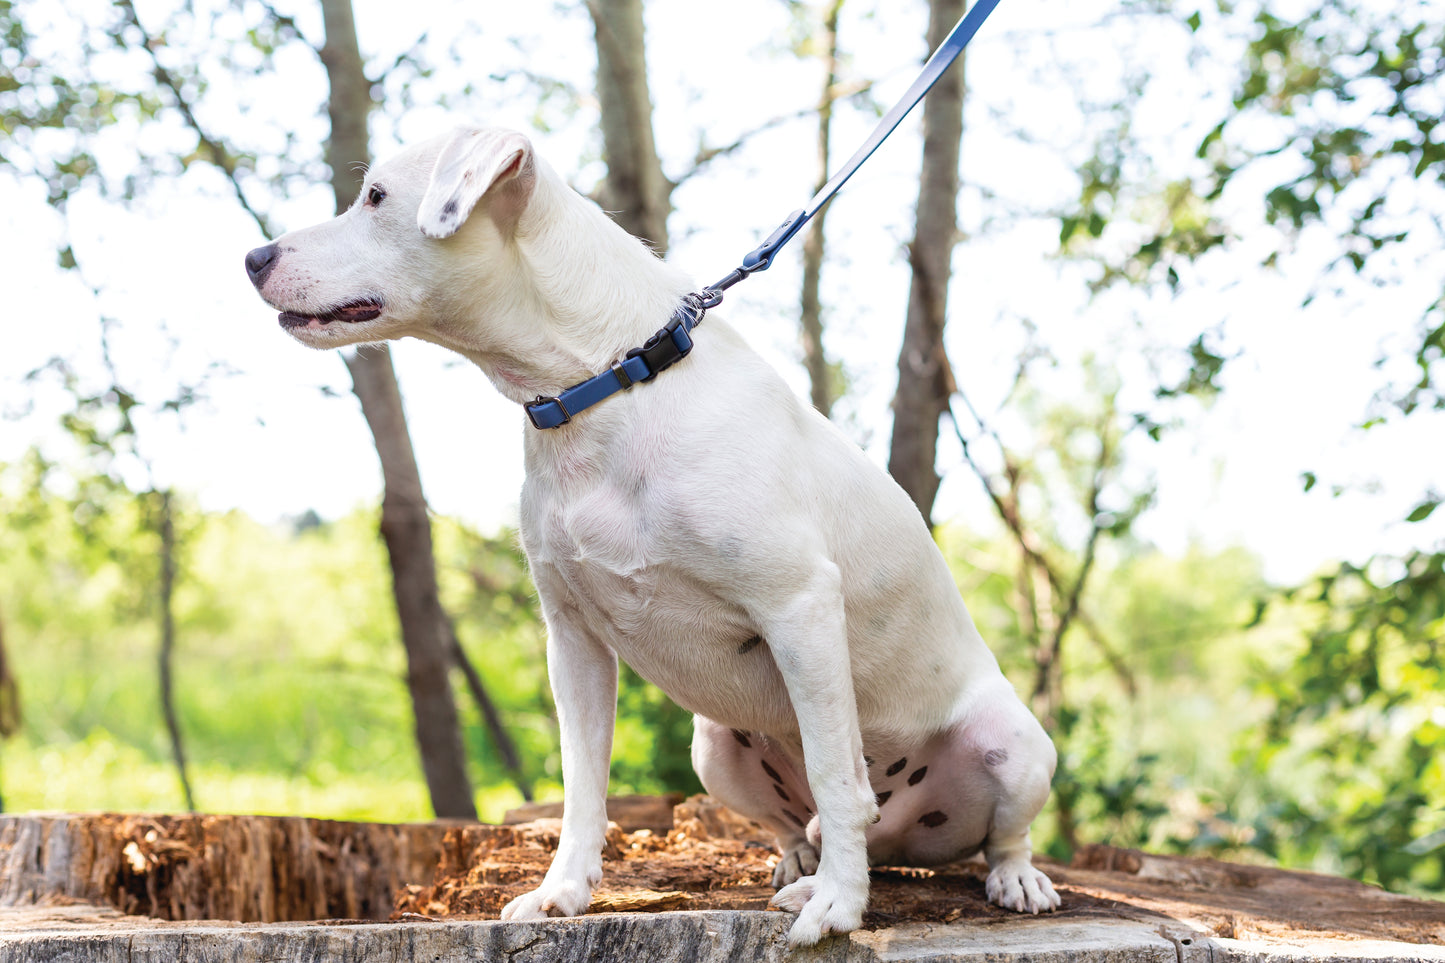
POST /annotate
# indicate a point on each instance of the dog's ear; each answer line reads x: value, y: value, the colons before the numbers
x: 475, y: 163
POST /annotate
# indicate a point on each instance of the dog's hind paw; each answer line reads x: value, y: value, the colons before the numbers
x: 1021, y: 887
x: 823, y: 908
x: 798, y: 861
x: 568, y: 898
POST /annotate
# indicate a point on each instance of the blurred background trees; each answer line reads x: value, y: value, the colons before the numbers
x: 1198, y: 704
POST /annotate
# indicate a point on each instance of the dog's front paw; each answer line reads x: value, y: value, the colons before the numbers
x: 823, y: 907
x: 798, y: 861
x: 567, y: 898
x: 1021, y: 887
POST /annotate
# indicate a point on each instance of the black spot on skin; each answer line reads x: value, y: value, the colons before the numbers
x: 772, y: 773
x: 742, y: 738
x: 917, y: 775
x: 449, y: 209
x: 796, y: 821
x: 995, y: 757
x: 882, y: 797
x: 750, y: 644
x: 897, y: 767
x: 779, y: 790
x: 933, y: 819
x: 868, y: 761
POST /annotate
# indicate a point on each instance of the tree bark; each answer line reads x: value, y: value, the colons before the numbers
x: 924, y: 383
x: 9, y: 699
x: 815, y: 360
x: 405, y: 524
x: 258, y: 869
x: 636, y: 192
x: 165, y: 524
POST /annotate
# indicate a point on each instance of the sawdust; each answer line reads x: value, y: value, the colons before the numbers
x: 713, y: 859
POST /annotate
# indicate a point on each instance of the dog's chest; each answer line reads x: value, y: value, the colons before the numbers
x: 608, y: 566
x: 615, y: 567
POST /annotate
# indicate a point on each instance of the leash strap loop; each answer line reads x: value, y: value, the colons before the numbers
x: 761, y: 257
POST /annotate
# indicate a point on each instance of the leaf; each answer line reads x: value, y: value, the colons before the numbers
x: 1422, y: 511
x: 1067, y: 226
x: 1194, y: 20
x: 1309, y: 478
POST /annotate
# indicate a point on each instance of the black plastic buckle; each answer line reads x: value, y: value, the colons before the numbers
x: 665, y: 348
x: 531, y: 407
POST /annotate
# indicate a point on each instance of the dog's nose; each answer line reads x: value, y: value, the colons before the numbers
x: 260, y: 262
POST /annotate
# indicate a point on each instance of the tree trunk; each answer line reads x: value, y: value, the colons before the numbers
x: 820, y: 373
x: 165, y: 524
x: 636, y: 192
x: 405, y: 524
x: 9, y: 699
x: 924, y: 383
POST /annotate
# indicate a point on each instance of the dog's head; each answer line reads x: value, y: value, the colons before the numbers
x: 396, y: 263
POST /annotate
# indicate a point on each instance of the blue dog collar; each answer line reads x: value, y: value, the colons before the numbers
x: 665, y: 348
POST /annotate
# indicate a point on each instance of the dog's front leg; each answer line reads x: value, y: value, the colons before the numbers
x: 808, y: 639
x: 583, y: 674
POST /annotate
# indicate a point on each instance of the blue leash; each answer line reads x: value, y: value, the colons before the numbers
x: 673, y: 342
x: 761, y: 258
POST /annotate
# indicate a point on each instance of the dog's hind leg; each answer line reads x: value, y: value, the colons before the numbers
x: 1021, y: 767
x: 746, y: 773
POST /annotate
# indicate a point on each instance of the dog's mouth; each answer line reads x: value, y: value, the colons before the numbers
x: 350, y: 312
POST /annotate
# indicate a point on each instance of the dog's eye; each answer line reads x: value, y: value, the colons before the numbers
x: 375, y: 196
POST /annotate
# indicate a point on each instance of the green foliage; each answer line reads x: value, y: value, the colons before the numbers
x: 1334, y: 134
x: 1309, y: 71
x: 653, y: 751
x: 1158, y: 686
x: 1179, y: 226
x: 1102, y: 786
x: 271, y: 627
x: 1337, y: 114
x: 1362, y: 709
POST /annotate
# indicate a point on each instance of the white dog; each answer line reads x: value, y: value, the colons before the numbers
x: 706, y: 527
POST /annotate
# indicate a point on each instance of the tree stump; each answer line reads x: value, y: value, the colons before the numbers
x: 92, y: 888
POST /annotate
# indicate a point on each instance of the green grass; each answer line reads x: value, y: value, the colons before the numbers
x: 102, y: 773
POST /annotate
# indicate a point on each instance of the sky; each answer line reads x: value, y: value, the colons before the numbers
x: 280, y: 433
